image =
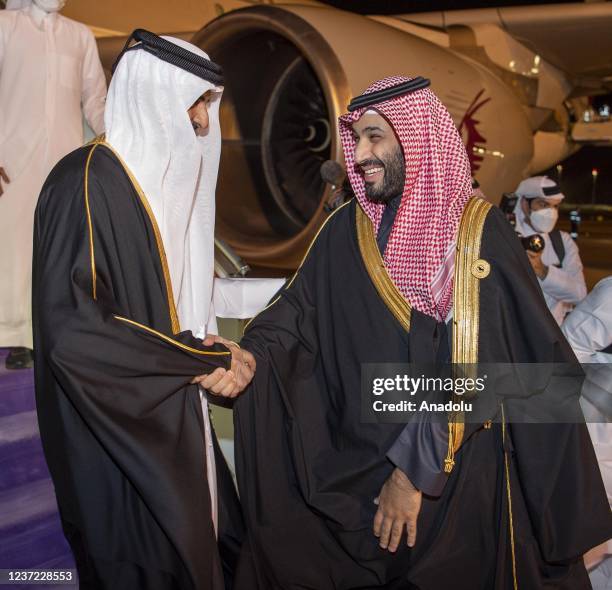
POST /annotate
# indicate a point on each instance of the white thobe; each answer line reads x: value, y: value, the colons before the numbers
x: 588, y: 329
x: 563, y: 287
x: 243, y: 298
x: 232, y: 298
x: 209, y: 448
x: 49, y: 74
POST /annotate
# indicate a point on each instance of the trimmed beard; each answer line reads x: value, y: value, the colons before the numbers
x: 393, y: 180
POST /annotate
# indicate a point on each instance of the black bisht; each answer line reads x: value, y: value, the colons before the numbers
x: 308, y: 469
x: 121, y: 425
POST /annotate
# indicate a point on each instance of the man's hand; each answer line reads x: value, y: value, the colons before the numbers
x: 3, y: 178
x: 399, y: 504
x: 535, y: 258
x: 233, y: 382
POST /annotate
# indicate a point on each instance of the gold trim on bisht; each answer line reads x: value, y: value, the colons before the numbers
x: 92, y: 256
x: 509, y: 495
x: 171, y: 340
x: 374, y: 263
x: 470, y: 269
x: 176, y: 327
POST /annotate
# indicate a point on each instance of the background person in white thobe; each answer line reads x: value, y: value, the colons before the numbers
x: 558, y: 267
x: 50, y: 72
x: 589, y: 331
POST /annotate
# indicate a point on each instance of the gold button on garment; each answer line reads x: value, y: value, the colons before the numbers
x: 480, y: 268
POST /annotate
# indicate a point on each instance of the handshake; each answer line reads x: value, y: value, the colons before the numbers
x: 228, y: 382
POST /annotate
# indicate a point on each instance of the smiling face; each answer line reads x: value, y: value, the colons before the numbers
x: 379, y: 158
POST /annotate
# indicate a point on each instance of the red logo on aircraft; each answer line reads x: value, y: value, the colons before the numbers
x: 468, y: 129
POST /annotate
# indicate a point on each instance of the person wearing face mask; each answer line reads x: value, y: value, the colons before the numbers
x: 558, y: 266
x: 50, y: 73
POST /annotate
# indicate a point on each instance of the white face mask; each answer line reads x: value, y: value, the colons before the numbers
x: 544, y: 220
x: 50, y: 5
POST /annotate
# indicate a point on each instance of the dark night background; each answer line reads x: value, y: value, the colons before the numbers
x: 406, y: 6
x: 576, y: 177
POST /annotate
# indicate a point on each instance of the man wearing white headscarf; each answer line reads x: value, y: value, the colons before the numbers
x: 123, y: 266
x: 558, y: 266
x: 50, y: 72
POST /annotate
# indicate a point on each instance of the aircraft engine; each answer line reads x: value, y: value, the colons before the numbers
x: 290, y: 71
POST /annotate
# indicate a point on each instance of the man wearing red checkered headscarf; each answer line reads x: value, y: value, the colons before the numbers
x: 436, y: 186
x: 333, y: 491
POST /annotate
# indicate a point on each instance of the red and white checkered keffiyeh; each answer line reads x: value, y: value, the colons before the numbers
x: 420, y: 253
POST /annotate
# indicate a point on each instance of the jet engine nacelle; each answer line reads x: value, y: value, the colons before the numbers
x: 290, y: 71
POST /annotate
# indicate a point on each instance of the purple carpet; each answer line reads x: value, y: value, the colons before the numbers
x: 31, y: 535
